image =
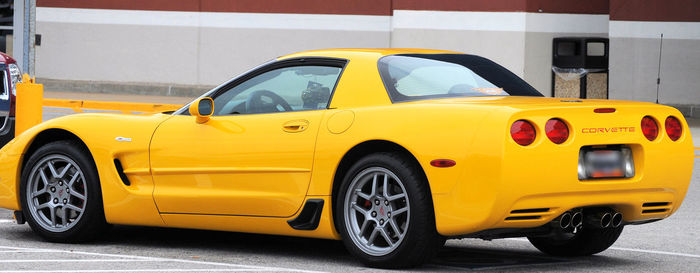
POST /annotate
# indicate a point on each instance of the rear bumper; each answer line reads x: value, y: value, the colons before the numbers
x: 455, y: 218
x: 495, y: 189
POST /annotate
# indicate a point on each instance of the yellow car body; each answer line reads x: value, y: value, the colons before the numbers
x: 180, y: 171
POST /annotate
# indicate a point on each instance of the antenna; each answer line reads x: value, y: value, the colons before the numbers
x: 658, y: 75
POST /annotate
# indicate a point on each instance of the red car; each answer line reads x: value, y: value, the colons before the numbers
x: 11, y: 75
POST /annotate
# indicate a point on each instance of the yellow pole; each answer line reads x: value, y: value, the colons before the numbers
x: 28, y: 106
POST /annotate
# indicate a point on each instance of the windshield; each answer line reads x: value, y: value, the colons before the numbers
x: 427, y: 76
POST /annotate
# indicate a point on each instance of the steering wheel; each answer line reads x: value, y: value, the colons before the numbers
x: 255, y: 104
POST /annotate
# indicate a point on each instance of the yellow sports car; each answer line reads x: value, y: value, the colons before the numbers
x: 390, y: 150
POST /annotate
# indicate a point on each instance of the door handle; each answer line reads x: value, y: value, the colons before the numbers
x: 295, y: 126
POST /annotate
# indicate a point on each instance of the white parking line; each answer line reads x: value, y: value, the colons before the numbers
x: 13, y: 248
x: 657, y: 252
x: 135, y: 270
x: 632, y: 249
x: 4, y: 221
x: 239, y: 267
x: 24, y: 251
x: 77, y: 261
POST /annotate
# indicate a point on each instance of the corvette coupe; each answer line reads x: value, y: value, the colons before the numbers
x: 392, y: 151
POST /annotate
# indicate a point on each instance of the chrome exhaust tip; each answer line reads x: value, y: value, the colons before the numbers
x: 605, y: 220
x: 577, y: 219
x: 616, y: 220
x: 565, y: 220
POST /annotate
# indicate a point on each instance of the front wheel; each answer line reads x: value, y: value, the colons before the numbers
x: 585, y: 242
x: 60, y: 193
x: 385, y: 214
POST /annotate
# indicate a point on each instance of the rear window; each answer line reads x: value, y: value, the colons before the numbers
x: 427, y: 76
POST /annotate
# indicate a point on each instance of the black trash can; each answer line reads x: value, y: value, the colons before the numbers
x: 580, y: 67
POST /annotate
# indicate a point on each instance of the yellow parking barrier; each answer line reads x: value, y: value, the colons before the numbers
x: 124, y: 107
x: 30, y: 101
x: 28, y: 110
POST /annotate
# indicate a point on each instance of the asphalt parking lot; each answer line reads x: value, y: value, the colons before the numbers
x: 672, y: 245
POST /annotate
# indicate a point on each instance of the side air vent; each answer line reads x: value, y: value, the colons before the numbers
x: 646, y: 211
x: 656, y: 204
x: 529, y: 210
x: 516, y: 218
x: 527, y: 214
x: 656, y: 207
x: 120, y: 171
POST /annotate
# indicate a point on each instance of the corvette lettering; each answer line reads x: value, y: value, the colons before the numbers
x: 607, y: 130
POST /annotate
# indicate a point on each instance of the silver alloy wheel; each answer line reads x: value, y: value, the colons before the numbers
x: 377, y: 211
x: 56, y: 193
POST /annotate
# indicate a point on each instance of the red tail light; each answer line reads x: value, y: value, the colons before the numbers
x: 556, y: 130
x: 650, y: 128
x: 523, y: 132
x: 673, y: 128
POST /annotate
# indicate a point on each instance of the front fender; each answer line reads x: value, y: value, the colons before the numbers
x: 99, y: 133
x: 11, y: 158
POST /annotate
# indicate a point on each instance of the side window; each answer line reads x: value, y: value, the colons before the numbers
x: 295, y: 88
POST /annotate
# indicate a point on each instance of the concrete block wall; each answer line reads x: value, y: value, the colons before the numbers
x: 186, y: 48
x: 637, y: 57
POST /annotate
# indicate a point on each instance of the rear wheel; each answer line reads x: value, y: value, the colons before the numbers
x: 384, y: 213
x: 60, y: 193
x: 585, y: 242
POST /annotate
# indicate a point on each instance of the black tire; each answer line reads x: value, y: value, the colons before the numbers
x: 421, y: 240
x: 586, y: 242
x: 92, y: 222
